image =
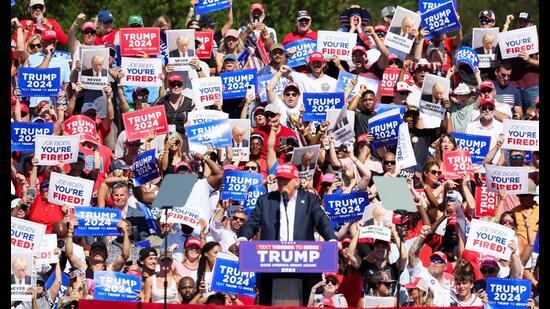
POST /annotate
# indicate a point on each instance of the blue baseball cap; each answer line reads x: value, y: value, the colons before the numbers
x: 105, y: 16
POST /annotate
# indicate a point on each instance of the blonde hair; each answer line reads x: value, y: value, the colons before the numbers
x: 32, y: 38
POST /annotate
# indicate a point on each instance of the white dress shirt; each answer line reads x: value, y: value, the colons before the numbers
x: 291, y: 210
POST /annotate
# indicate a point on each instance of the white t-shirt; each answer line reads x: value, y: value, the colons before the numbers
x: 472, y: 302
x: 226, y: 237
x: 157, y: 143
x: 308, y: 83
x: 493, y: 131
x: 442, y: 292
x: 285, y: 110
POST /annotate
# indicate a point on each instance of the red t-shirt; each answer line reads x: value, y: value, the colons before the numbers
x: 61, y: 36
x: 284, y: 132
x: 101, y: 40
x: 350, y: 286
x: 294, y: 36
x: 45, y: 213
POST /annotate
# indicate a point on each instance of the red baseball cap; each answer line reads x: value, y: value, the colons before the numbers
x: 175, y: 78
x: 182, y: 164
x: 316, y: 56
x: 257, y: 6
x: 346, y: 240
x: 380, y: 28
x: 88, y: 25
x: 487, y: 84
x: 359, y: 48
x: 440, y: 255
x: 292, y: 84
x: 229, y: 167
x: 49, y: 35
x: 287, y: 171
x: 392, y: 57
x: 334, y: 275
x: 485, y: 101
x: 193, y: 241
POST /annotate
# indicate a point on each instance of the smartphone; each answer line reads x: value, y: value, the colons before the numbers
x: 255, y: 19
x: 31, y: 192
x: 282, y: 141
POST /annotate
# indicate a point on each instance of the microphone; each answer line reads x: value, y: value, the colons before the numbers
x: 284, y: 198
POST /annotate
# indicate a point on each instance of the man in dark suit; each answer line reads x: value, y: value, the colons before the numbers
x: 306, y: 162
x: 97, y: 67
x: 304, y: 214
x: 238, y: 139
x: 407, y: 25
x: 183, y: 48
x: 488, y: 47
x: 19, y: 267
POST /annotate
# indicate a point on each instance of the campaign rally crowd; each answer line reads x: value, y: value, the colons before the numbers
x: 390, y: 162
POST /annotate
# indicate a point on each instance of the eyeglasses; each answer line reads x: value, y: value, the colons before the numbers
x: 89, y: 31
x: 505, y: 76
x: 176, y: 85
x: 271, y: 115
x: 437, y: 260
x: 434, y: 172
x: 238, y: 219
x: 486, y: 90
x: 291, y: 94
x: 37, y: 7
x: 250, y: 168
x: 516, y: 157
x: 487, y: 270
x: 487, y: 107
x: 387, y: 162
x: 331, y: 281
x: 33, y: 46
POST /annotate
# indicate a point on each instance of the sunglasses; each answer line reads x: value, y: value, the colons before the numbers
x: 486, y: 90
x: 403, y: 93
x: 508, y: 222
x: 176, y: 85
x: 487, y: 107
x: 134, y: 144
x: 505, y: 76
x: 304, y: 20
x: 434, y: 172
x: 33, y: 46
x: 381, y: 34
x: 251, y: 168
x: 238, y: 219
x: 271, y: 115
x: 331, y: 281
x: 516, y: 157
x: 291, y: 94
x: 487, y: 270
x: 89, y: 32
x: 23, y: 114
x: 484, y: 21
x: 396, y: 62
x: 387, y: 162
x: 437, y: 260
x: 277, y: 52
x: 37, y: 7
x: 452, y: 199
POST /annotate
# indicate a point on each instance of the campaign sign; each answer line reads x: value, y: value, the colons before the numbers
x: 236, y: 83
x: 227, y: 278
x: 336, y: 43
x: 441, y: 19
x: 399, y: 40
x: 46, y: 254
x: 536, y: 243
x: 62, y: 288
x: 136, y: 40
x: 344, y: 78
x: 404, y: 153
x: 486, y: 202
x: 69, y: 190
x: 140, y: 123
x: 288, y: 256
x: 455, y: 163
x: 204, y: 50
x: 39, y: 82
x: 304, y: 48
x: 52, y: 149
x: 26, y: 236
x: 507, y: 292
x: 80, y: 124
x: 252, y: 194
x: 384, y: 127
x: 217, y: 133
x: 426, y: 5
x: 513, y: 42
x: 205, y: 115
x: 23, y: 134
x: 236, y: 184
x: 490, y: 238
x: 112, y: 285
x: 209, y: 6
x: 389, y: 79
x: 345, y: 207
x: 375, y: 232
x: 182, y: 215
x: 477, y: 145
x: 513, y: 179
x: 263, y: 81
x: 467, y: 55
x: 207, y: 91
x: 141, y: 72
x: 317, y: 104
x: 93, y: 221
x: 145, y: 167
x: 521, y: 134
x: 382, y: 107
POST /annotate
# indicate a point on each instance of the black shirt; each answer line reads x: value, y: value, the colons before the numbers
x: 368, y: 270
x: 177, y: 117
x: 421, y: 140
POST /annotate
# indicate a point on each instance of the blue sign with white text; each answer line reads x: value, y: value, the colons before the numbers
x: 235, y: 84
x: 236, y: 183
x: 426, y: 5
x: 94, y: 221
x: 111, y: 285
x: 263, y: 81
x: 304, y: 48
x: 23, y: 133
x: 209, y: 6
x: 345, y: 207
x: 441, y: 19
x: 477, y: 145
x: 504, y: 293
x: 145, y: 167
x: 227, y: 278
x: 39, y: 82
x: 467, y: 55
x: 317, y: 104
x: 385, y: 130
x: 252, y: 195
x: 217, y: 133
x: 380, y: 108
x: 62, y: 288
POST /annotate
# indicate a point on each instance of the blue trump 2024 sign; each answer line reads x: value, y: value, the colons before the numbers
x: 227, y: 278
x: 346, y: 207
x: 145, y: 167
x: 39, y: 82
x: 93, y: 221
x: 288, y: 256
x: 477, y: 145
x: 441, y: 19
x: 252, y: 194
x: 111, y: 285
x: 467, y: 55
x: 507, y: 293
x: 317, y: 104
x: 23, y: 133
x: 209, y: 6
x: 263, y: 81
x: 385, y: 129
x: 236, y: 184
x: 62, y: 287
x: 235, y: 84
x: 304, y: 48
x: 426, y: 5
x: 217, y: 133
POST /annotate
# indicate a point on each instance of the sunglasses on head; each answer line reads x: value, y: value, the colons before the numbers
x: 487, y: 107
x: 37, y: 7
x: 388, y: 162
x: 238, y: 219
x: 89, y: 31
x: 174, y: 85
x: 33, y: 46
x: 332, y: 281
x: 250, y: 168
x: 434, y: 172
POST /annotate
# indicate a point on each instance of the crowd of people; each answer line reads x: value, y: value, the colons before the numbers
x: 419, y: 266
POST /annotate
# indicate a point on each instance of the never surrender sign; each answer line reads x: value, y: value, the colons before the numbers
x: 136, y: 40
x: 145, y: 167
x: 236, y: 184
x: 69, y: 190
x: 140, y: 123
x: 288, y: 257
x: 235, y: 84
x: 513, y: 42
x: 486, y: 202
x: 93, y: 221
x: 111, y: 285
x: 23, y: 134
x: 336, y: 43
x: 39, y: 82
x: 508, y: 293
x: 384, y: 127
x: 345, y: 207
x: 441, y: 19
x: 490, y: 238
x: 304, y: 48
x: 141, y: 72
x: 52, y: 149
x: 207, y: 91
x: 375, y: 232
x: 455, y: 163
x: 477, y: 145
x: 513, y: 179
x: 521, y: 135
x: 227, y: 278
x: 317, y: 104
x: 209, y: 6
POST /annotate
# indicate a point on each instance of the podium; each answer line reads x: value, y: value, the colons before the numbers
x: 287, y: 292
